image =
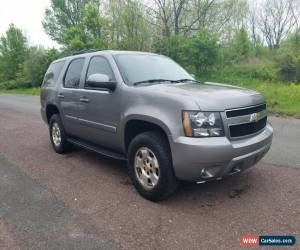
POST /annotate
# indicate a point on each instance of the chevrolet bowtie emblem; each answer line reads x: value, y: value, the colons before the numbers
x: 254, y: 117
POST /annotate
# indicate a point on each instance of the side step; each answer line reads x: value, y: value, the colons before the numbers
x: 97, y: 149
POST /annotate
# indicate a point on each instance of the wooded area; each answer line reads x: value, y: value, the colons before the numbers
x: 234, y: 41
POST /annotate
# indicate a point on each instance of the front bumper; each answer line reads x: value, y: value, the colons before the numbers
x: 202, y: 159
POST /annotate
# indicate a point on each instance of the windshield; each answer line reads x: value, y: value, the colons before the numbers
x: 145, y: 67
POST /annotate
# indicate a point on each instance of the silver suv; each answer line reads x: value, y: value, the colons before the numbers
x: 146, y: 109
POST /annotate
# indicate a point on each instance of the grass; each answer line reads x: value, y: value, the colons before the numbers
x: 24, y: 91
x: 283, y: 99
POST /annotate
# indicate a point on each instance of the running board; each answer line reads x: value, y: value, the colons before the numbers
x: 99, y: 150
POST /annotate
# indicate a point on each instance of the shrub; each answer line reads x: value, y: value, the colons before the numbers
x: 35, y: 66
x: 288, y: 59
x: 241, y: 45
x: 20, y: 82
x: 201, y: 51
x: 172, y: 47
x: 245, y: 71
x: 289, y: 67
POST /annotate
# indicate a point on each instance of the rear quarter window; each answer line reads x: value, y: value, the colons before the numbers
x: 53, y: 73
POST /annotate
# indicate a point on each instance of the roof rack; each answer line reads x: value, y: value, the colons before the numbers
x: 84, y: 51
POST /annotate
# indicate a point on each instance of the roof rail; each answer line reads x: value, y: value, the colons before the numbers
x: 84, y: 51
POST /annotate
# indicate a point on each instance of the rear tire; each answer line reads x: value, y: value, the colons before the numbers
x: 150, y: 166
x: 58, y: 136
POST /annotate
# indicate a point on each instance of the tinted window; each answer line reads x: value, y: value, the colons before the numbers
x: 72, y: 78
x: 143, y: 67
x: 53, y: 73
x: 99, y: 65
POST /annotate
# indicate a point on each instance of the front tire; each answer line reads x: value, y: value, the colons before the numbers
x: 150, y: 166
x: 58, y: 136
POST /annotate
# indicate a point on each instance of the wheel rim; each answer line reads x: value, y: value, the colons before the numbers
x: 56, y: 134
x: 146, y: 168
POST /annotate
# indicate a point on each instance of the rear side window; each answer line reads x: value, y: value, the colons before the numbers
x: 72, y: 77
x: 53, y: 73
x: 99, y: 65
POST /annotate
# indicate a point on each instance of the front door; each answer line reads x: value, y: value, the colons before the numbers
x: 100, y: 108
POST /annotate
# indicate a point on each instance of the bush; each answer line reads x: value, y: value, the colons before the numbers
x: 201, y: 51
x: 241, y: 45
x: 288, y: 59
x: 35, y: 66
x: 33, y: 69
x: 249, y: 71
x: 289, y: 67
x: 198, y: 53
x: 256, y: 71
x: 172, y: 47
x: 13, y: 84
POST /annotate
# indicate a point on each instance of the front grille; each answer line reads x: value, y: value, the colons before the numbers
x: 246, y: 111
x: 248, y: 128
x: 246, y: 121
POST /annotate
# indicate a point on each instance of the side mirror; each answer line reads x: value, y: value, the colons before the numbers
x: 100, y: 81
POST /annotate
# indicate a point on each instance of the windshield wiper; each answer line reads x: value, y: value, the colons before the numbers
x: 153, y: 81
x: 188, y: 80
x: 165, y: 80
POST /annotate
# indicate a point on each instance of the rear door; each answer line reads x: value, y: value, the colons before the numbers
x: 68, y: 96
x: 100, y: 108
x: 51, y: 80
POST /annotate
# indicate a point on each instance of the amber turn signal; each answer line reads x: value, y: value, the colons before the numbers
x: 187, y: 124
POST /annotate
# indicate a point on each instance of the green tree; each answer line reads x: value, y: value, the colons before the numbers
x: 241, y: 44
x: 36, y: 65
x: 172, y: 46
x: 95, y: 27
x: 53, y: 54
x: 63, y: 15
x: 13, y: 49
x: 128, y: 28
x: 76, y: 24
x: 201, y: 51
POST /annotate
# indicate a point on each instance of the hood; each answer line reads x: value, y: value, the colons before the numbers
x: 212, y: 96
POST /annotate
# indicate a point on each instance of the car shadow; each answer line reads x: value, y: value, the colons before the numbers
x: 212, y: 192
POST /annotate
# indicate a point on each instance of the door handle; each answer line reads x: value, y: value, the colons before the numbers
x: 60, y: 96
x: 84, y: 99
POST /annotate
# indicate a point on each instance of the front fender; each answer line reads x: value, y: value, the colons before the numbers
x: 151, y: 118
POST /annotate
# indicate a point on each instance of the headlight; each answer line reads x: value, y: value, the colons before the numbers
x: 202, y: 124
